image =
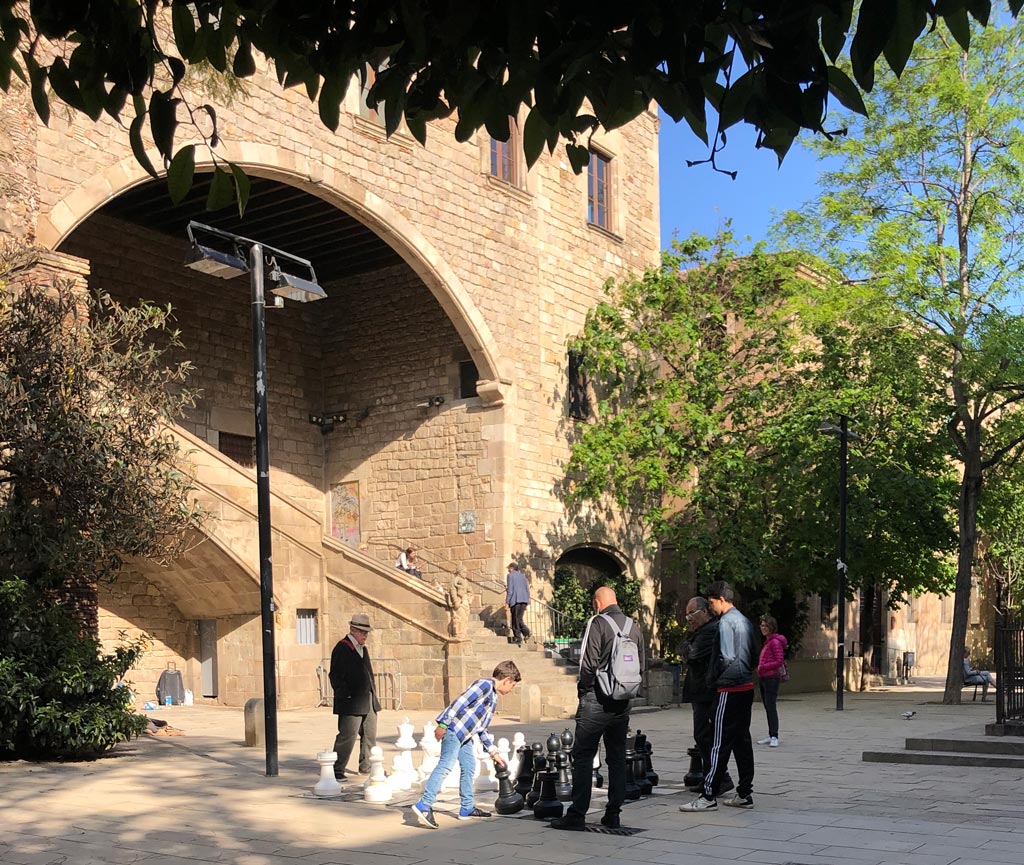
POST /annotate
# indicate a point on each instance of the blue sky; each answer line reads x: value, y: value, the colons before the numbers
x: 701, y: 199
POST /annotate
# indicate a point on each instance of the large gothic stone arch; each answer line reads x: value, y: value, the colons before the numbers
x: 337, y: 188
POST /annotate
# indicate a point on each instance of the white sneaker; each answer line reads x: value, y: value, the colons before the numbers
x: 773, y: 742
x: 700, y: 804
x: 764, y: 741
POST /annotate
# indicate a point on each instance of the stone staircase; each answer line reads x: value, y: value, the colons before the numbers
x: 957, y: 748
x: 555, y: 675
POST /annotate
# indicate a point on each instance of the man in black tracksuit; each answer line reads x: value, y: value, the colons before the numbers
x: 732, y: 674
x: 700, y: 649
x: 597, y: 717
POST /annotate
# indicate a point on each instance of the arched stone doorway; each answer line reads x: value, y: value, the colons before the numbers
x: 593, y: 562
x: 395, y: 333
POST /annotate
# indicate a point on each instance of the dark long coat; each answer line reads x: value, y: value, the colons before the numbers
x: 352, y: 680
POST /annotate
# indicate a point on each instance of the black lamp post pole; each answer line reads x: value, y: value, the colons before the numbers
x: 259, y: 363
x: 841, y: 567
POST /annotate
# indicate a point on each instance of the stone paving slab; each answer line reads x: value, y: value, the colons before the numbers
x: 204, y: 798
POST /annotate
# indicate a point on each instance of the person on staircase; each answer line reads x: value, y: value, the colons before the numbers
x: 517, y: 599
x: 407, y: 562
x: 355, y: 696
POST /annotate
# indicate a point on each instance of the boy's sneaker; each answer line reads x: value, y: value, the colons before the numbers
x: 700, y: 804
x: 475, y: 812
x: 773, y: 742
x: 764, y: 741
x: 425, y: 816
x: 740, y: 802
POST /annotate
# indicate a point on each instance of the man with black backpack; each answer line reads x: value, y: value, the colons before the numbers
x: 611, y: 665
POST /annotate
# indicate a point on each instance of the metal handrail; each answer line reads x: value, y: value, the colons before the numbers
x: 387, y: 682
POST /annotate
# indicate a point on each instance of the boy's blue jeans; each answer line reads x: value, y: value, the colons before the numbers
x: 452, y: 750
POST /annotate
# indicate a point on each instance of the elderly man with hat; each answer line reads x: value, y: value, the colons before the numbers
x: 355, y: 698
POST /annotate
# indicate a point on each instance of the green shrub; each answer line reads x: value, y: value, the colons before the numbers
x: 58, y: 694
x: 571, y: 598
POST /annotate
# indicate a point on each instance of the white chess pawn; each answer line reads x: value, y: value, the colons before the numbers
x: 431, y: 752
x: 484, y: 771
x: 409, y: 770
x: 518, y: 741
x: 376, y: 789
x: 398, y: 779
x: 328, y: 786
x: 405, y: 742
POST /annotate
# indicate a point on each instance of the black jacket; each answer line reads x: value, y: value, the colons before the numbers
x: 352, y: 680
x: 597, y: 652
x: 703, y: 645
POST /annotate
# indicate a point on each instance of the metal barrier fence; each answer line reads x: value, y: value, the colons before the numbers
x: 1009, y: 651
x: 387, y: 681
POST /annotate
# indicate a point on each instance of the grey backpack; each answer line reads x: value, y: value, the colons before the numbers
x: 621, y: 680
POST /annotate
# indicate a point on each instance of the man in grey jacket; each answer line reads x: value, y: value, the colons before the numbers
x: 517, y: 598
x: 732, y: 674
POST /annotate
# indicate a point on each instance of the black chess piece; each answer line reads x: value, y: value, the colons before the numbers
x: 548, y: 807
x: 632, y: 788
x: 639, y: 770
x: 563, y: 786
x: 652, y: 776
x: 509, y: 801
x: 540, y: 765
x: 694, y: 779
x: 568, y: 739
x: 524, y: 778
x: 598, y: 777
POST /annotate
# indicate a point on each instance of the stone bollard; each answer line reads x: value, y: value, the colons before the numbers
x: 529, y: 712
x: 255, y: 723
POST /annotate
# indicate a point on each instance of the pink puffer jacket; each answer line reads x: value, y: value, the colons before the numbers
x: 773, y: 656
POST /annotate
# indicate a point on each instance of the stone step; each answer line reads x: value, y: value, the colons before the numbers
x: 946, y: 758
x: 989, y: 745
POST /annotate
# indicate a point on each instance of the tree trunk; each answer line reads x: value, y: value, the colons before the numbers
x: 970, y: 489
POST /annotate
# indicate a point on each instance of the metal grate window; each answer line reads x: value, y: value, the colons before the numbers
x: 306, y: 629
x: 241, y: 449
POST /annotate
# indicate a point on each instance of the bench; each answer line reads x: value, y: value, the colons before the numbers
x: 974, y: 685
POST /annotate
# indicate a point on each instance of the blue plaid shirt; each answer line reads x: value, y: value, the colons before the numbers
x: 471, y: 712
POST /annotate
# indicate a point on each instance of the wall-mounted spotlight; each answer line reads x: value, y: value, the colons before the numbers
x: 431, y: 402
x: 326, y: 422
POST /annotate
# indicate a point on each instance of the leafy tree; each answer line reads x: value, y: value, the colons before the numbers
x: 928, y: 203
x: 713, y: 373
x: 87, y: 478
x: 575, y: 66
x: 570, y: 598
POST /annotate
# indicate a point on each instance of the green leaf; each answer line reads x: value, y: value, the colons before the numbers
x: 911, y: 19
x: 242, y: 188
x: 64, y: 85
x: 163, y: 121
x: 875, y: 23
x: 579, y: 157
x: 138, y: 147
x: 840, y: 86
x: 37, y: 77
x: 244, y: 63
x: 535, y: 132
x: 180, y: 173
x: 222, y: 190
x: 184, y: 27
x: 959, y: 25
x: 329, y: 103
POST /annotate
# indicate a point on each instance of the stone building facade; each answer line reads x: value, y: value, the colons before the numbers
x: 443, y: 362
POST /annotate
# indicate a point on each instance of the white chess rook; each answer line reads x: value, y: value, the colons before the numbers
x: 327, y: 787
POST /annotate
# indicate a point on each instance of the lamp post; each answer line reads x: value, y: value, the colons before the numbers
x: 220, y: 253
x: 845, y: 435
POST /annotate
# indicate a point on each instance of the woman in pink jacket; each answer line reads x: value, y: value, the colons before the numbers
x: 769, y: 670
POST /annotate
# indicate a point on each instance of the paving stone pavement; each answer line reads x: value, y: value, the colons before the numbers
x: 203, y: 797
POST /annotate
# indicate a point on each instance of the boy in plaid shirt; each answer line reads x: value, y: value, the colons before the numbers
x: 468, y: 715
